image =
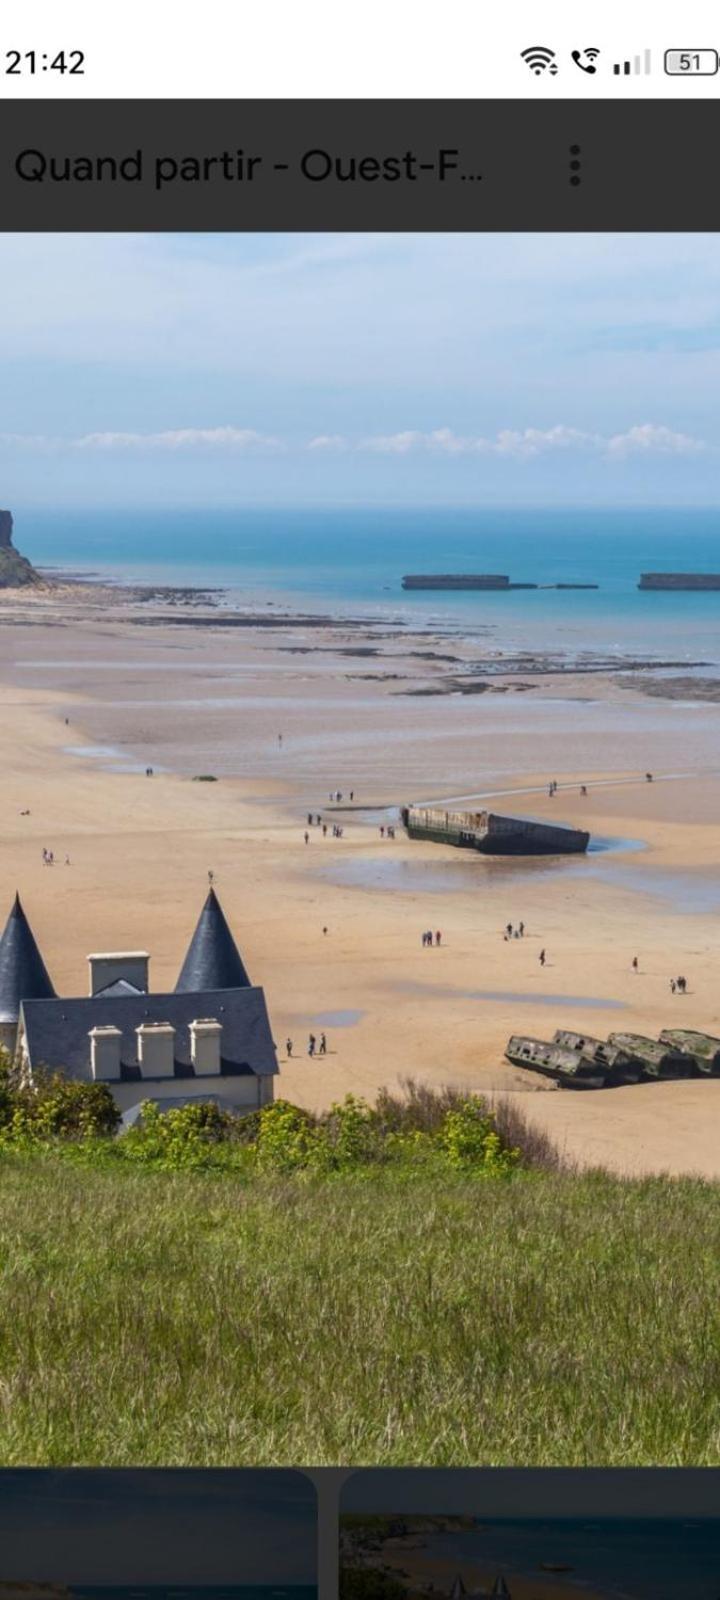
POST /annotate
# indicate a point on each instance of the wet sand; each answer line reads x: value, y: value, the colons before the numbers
x: 208, y: 700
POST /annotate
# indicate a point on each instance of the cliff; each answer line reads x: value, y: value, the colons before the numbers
x: 15, y: 570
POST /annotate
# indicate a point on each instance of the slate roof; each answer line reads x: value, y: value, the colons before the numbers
x: 56, y: 1031
x: 23, y: 974
x: 120, y: 986
x: 213, y: 959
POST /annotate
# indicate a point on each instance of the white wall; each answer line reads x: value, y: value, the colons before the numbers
x: 246, y: 1093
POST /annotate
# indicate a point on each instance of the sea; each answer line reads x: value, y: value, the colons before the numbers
x: 646, y: 1558
x: 350, y: 562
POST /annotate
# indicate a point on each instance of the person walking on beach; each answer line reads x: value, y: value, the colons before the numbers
x: 279, y: 738
x: 289, y: 1048
x: 307, y: 837
x: 324, y: 830
x: 509, y: 929
x: 311, y: 1045
x: 521, y: 929
x: 673, y: 985
x: 635, y: 964
x: 541, y: 958
x: 323, y: 1045
x: 438, y: 937
x: 682, y: 985
x: 352, y: 794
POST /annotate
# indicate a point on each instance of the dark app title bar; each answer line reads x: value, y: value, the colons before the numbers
x: 360, y: 164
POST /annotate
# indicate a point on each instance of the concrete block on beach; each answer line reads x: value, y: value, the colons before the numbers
x: 490, y: 834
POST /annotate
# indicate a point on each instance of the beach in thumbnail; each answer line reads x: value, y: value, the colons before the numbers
x: 526, y: 1557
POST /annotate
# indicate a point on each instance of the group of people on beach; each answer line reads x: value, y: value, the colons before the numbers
x: 339, y: 794
x: 314, y: 820
x: 314, y: 1047
x: 317, y: 822
x: 386, y: 831
x: 428, y: 939
x: 49, y: 858
x: 511, y: 932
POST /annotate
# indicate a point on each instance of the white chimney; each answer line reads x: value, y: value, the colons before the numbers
x: 105, y: 1053
x: 110, y: 967
x: 205, y: 1037
x: 156, y: 1049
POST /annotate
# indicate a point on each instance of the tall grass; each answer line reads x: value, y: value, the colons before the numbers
x: 185, y: 1318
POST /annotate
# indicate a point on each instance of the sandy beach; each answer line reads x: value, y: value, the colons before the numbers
x: 98, y: 684
x: 425, y: 1574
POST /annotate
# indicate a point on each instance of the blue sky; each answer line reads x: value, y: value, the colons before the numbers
x: 361, y: 369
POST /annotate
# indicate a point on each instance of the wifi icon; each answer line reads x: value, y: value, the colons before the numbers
x: 539, y: 59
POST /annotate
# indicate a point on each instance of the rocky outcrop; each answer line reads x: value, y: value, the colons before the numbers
x: 16, y: 572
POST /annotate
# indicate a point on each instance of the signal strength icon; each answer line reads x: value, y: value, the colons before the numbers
x: 539, y: 59
x: 635, y: 64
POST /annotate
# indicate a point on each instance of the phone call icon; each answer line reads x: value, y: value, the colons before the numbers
x: 585, y: 59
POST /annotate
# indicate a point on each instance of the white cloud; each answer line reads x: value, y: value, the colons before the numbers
x: 395, y: 444
x: 525, y: 444
x: 329, y: 442
x: 650, y: 439
x: 180, y: 439
x: 539, y: 441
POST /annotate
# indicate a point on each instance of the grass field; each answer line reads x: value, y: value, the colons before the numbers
x: 180, y: 1318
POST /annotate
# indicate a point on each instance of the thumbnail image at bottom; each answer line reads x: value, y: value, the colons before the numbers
x: 157, y: 1535
x: 526, y: 1554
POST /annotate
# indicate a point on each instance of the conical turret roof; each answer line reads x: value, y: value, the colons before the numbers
x: 500, y: 1588
x: 213, y: 960
x: 23, y: 974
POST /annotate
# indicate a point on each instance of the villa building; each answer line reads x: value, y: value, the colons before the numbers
x: 209, y: 1039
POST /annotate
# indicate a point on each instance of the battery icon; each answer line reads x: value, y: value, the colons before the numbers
x: 691, y: 63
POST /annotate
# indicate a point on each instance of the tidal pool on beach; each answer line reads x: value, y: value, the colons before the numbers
x: 112, y: 759
x: 583, y: 1002
x: 682, y: 891
x: 462, y: 871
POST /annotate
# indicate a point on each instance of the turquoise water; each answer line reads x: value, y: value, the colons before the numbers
x: 353, y: 560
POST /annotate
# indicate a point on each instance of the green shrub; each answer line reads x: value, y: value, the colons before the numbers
x: 287, y: 1139
x: 470, y: 1139
x: 54, y: 1107
x: 369, y: 1583
x: 445, y: 1128
x: 196, y: 1136
x: 351, y: 1134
